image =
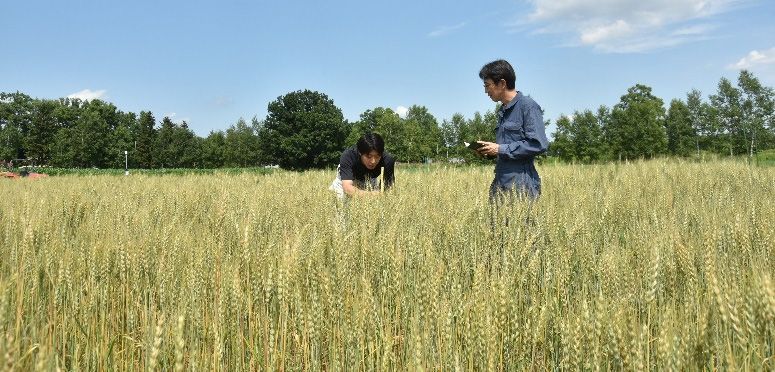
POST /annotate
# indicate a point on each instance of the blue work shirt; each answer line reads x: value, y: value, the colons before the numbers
x: 521, y: 135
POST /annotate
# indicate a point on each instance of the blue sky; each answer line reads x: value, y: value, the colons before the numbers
x: 210, y: 63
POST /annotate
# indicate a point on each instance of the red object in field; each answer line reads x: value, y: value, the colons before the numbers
x: 13, y: 175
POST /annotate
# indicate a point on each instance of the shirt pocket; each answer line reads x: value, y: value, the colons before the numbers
x: 512, y: 131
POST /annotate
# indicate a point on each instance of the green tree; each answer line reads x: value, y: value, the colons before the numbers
x: 423, y: 134
x: 212, y: 150
x: 303, y: 129
x: 450, y: 134
x: 164, y: 154
x: 578, y: 138
x: 42, y: 128
x: 145, y: 138
x: 588, y: 136
x: 678, y: 126
x: 637, y: 125
x: 756, y: 109
x: 91, y: 133
x: 172, y: 142
x: 63, y: 152
x: 604, y: 122
x: 86, y: 141
x: 726, y: 104
x: 191, y: 156
x: 121, y: 140
x: 479, y: 128
x: 702, y: 120
x: 15, y: 118
x: 241, y: 145
x: 562, y: 145
x: 387, y: 124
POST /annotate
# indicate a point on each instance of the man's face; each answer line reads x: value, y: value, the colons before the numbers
x: 371, y: 159
x: 494, y: 90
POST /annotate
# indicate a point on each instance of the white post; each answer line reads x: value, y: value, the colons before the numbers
x: 126, y: 162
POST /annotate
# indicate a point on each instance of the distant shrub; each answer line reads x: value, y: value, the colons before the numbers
x: 766, y: 157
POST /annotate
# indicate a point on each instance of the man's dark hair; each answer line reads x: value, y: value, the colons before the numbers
x: 497, y: 71
x: 369, y: 142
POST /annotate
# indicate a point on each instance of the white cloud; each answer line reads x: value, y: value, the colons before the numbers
x: 88, y: 94
x: 402, y: 111
x: 173, y: 117
x: 700, y: 29
x: 626, y: 26
x: 598, y: 34
x: 223, y: 101
x: 755, y: 58
x: 444, y: 30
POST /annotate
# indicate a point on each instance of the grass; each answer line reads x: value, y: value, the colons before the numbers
x: 766, y: 158
x: 643, y: 265
x: 150, y: 172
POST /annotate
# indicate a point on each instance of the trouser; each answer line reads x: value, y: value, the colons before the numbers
x: 513, y: 194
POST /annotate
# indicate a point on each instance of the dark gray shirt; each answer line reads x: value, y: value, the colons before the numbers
x: 351, y: 168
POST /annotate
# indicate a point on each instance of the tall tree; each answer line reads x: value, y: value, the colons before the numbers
x: 167, y: 151
x: 450, y: 133
x: 756, y: 109
x: 241, y: 145
x: 63, y: 154
x: 637, y: 125
x: 40, y: 136
x: 15, y: 118
x: 92, y: 132
x: 562, y: 145
x: 121, y: 140
x: 304, y: 129
x: 587, y: 136
x: 424, y: 135
x: 579, y: 138
x: 604, y: 122
x: 67, y: 114
x: 387, y: 124
x: 212, y: 150
x: 702, y: 120
x: 678, y: 126
x: 191, y: 154
x: 260, y: 156
x: 145, y: 139
x: 726, y: 103
x: 479, y: 128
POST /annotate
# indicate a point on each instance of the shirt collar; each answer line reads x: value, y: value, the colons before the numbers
x: 509, y: 105
x: 512, y: 102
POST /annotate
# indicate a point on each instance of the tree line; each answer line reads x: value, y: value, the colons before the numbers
x: 302, y: 129
x: 735, y: 120
x: 305, y: 129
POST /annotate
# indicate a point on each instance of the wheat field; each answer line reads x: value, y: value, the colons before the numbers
x: 657, y: 265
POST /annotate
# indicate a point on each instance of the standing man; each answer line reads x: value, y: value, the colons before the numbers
x: 520, y: 134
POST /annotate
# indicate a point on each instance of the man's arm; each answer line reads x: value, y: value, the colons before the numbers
x: 535, y: 141
x: 389, y: 176
x: 350, y: 189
